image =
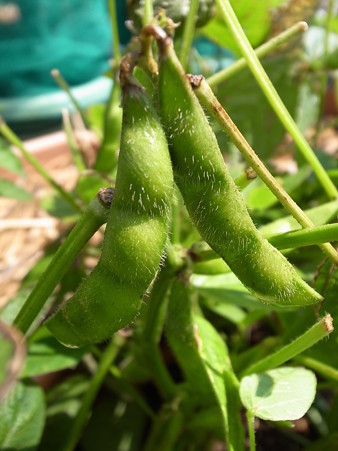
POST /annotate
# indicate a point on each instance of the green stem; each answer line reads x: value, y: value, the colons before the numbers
x: 121, y: 384
x: 152, y: 332
x: 305, y: 237
x: 273, y: 97
x: 55, y: 73
x: 159, y: 371
x: 107, y: 157
x: 289, y: 240
x: 188, y: 33
x: 251, y: 428
x: 76, y: 153
x: 16, y: 141
x: 95, y: 215
x: 156, y: 307
x: 106, y: 160
x: 209, y: 100
x: 316, y: 333
x: 235, y: 433
x: 82, y: 416
x: 148, y: 12
x: 324, y: 77
x: 134, y: 394
x: 261, y: 51
x: 165, y: 430
x: 115, y: 30
x: 323, y: 369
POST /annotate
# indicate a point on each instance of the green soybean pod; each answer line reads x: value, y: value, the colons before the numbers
x: 135, y: 235
x: 212, y: 199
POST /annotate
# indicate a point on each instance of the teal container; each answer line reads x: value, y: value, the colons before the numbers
x: 36, y: 36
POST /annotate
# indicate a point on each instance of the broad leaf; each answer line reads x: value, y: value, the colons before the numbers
x: 22, y: 416
x: 13, y: 191
x: 259, y: 197
x: 227, y: 289
x: 63, y: 403
x: 281, y: 394
x: 46, y: 355
x: 8, y: 159
x: 204, y: 359
x: 254, y: 18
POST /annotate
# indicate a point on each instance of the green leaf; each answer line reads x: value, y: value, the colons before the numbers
x: 308, y: 108
x: 46, y: 355
x: 282, y: 394
x: 259, y: 197
x: 12, y: 191
x: 63, y: 403
x: 204, y: 359
x: 254, y: 17
x: 8, y: 159
x: 56, y: 206
x: 22, y: 416
x: 12, y: 308
x: 231, y: 312
x: 319, y: 215
x: 180, y: 332
x: 241, y: 96
x: 227, y: 289
x: 215, y: 357
x: 95, y: 115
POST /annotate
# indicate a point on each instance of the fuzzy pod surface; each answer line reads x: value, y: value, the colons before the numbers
x: 135, y: 235
x: 212, y: 199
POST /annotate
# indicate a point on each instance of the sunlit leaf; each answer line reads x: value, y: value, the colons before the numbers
x: 282, y: 394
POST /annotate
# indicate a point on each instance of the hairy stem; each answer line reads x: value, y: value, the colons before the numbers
x: 115, y: 30
x: 316, y: 333
x: 188, y: 33
x: 95, y: 215
x: 148, y: 12
x: 305, y: 237
x: 327, y: 371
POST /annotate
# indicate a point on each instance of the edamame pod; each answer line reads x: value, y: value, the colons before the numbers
x: 135, y: 235
x: 211, y: 196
